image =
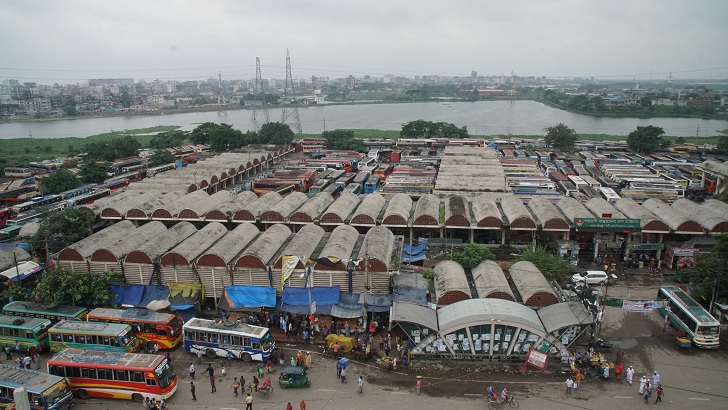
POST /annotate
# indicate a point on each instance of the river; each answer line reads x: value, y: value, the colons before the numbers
x: 481, y: 118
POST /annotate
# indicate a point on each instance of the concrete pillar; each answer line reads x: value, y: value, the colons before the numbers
x: 659, y: 240
x: 503, y: 237
x: 472, y: 235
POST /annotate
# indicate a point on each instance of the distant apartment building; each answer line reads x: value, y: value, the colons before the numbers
x: 110, y: 81
x: 159, y: 101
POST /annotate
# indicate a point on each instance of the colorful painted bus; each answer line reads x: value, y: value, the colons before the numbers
x: 45, y: 391
x: 115, y: 375
x: 162, y: 329
x: 53, y: 313
x: 103, y: 336
x: 218, y: 338
x: 27, y: 331
x: 690, y: 317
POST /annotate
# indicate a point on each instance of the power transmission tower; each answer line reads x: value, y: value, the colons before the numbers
x: 288, y: 111
x: 221, y: 105
x: 259, y: 93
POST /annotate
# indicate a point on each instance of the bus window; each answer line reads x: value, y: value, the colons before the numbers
x: 139, y: 377
x: 213, y: 338
x: 151, y: 382
x: 73, y: 372
x: 121, y: 375
x: 236, y: 340
x: 161, y: 331
x: 106, y: 374
x: 68, y: 338
x: 224, y: 339
x: 5, y: 393
x: 56, y: 371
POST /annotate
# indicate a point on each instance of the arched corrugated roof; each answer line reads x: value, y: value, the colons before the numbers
x: 398, y: 210
x: 379, y: 245
x: 114, y: 252
x: 600, y: 207
x: 84, y: 248
x: 340, y: 209
x: 573, y: 209
x: 548, y: 215
x: 143, y: 211
x: 261, y: 251
x: 486, y: 212
x: 369, y: 209
x: 708, y: 220
x: 283, y: 209
x: 253, y: 210
x: 170, y: 211
x: 481, y: 311
x: 340, y: 245
x: 225, y: 250
x: 305, y: 242
x: 451, y: 284
x: 224, y: 211
x: 678, y: 222
x: 649, y: 222
x: 491, y: 282
x: 427, y: 211
x: 533, y: 287
x: 128, y: 200
x: 186, y: 252
x: 313, y: 208
x: 152, y: 249
x: 517, y: 214
x: 197, y: 210
x: 457, y: 212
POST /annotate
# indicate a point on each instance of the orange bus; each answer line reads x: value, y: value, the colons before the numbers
x: 115, y: 375
x: 162, y: 329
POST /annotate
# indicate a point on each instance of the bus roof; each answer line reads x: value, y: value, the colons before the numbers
x: 99, y: 358
x: 30, y: 307
x: 232, y: 327
x: 91, y: 327
x: 23, y: 322
x: 678, y: 296
x: 138, y: 315
x: 35, y: 382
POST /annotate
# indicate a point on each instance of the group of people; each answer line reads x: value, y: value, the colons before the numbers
x: 647, y: 387
x: 503, y: 399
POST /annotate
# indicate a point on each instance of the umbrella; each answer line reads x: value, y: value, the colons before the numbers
x: 343, y: 363
x: 158, y: 304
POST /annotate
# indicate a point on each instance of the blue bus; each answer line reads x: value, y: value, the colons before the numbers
x: 690, y: 317
x: 217, y: 338
x: 45, y: 391
x: 372, y: 184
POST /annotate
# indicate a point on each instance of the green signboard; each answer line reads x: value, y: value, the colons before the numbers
x: 606, y: 223
x: 646, y: 246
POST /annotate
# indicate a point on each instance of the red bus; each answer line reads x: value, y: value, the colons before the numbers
x: 115, y: 375
x: 4, y: 216
x: 162, y: 329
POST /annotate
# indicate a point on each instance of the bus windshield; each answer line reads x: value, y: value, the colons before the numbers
x: 165, y: 374
x: 176, y: 325
x: 56, y: 393
x: 266, y: 341
x: 707, y: 330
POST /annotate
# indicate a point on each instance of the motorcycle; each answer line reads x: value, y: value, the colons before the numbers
x: 153, y: 405
x: 601, y: 346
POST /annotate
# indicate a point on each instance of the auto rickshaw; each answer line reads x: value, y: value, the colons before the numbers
x: 293, y: 376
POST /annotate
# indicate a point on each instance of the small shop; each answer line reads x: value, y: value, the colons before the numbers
x: 640, y: 254
x: 568, y: 250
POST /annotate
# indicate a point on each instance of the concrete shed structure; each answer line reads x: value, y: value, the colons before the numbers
x: 196, y: 211
x: 368, y: 211
x: 312, y: 209
x: 486, y: 213
x: 259, y: 255
x: 225, y: 211
x: 169, y: 212
x: 649, y: 222
x: 677, y: 222
x: 517, y: 214
x: 379, y: 249
x: 139, y: 263
x: 708, y: 220
x: 451, y: 284
x: 341, y: 244
x: 535, y: 290
x: 214, y: 266
x: 397, y: 212
x: 469, y: 170
x: 83, y: 249
x: 716, y: 207
x: 142, y: 211
x: 95, y: 208
x: 457, y: 212
x: 548, y: 216
x: 118, y: 209
x: 253, y: 210
x: 491, y: 282
x: 603, y: 209
x: 111, y: 256
x: 283, y: 209
x: 573, y: 209
x: 427, y: 211
x: 340, y: 210
x: 177, y: 264
x: 304, y: 244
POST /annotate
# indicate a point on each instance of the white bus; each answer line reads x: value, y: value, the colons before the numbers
x: 690, y: 317
x: 609, y: 194
x: 216, y: 338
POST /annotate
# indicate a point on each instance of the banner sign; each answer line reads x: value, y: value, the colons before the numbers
x: 607, y: 223
x: 683, y: 251
x: 646, y: 246
x: 641, y: 305
x: 537, y: 359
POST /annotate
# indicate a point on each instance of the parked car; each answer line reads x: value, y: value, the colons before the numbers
x: 591, y: 277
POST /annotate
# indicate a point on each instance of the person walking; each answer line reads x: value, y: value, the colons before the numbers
x: 659, y: 393
x: 577, y: 380
x: 360, y: 384
x: 647, y: 393
x: 269, y: 366
x: 302, y: 405
x: 259, y: 371
x: 629, y: 375
x: 8, y: 355
x: 419, y: 384
x: 288, y: 406
x: 230, y: 358
x: 248, y: 402
x: 199, y: 355
x: 192, y: 390
x: 569, y: 385
x: 308, y: 360
x: 643, y: 384
x: 282, y: 358
x: 235, y: 386
x: 211, y: 372
x: 655, y: 379
x: 618, y: 371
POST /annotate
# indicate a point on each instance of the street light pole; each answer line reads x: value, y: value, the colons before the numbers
x: 366, y: 291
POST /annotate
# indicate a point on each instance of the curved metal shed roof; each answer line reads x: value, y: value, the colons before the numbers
x: 340, y: 245
x: 457, y: 212
x: 715, y: 206
x: 548, y: 215
x: 481, y: 311
x: 224, y: 251
x: 152, y: 249
x: 709, y: 220
x: 186, y: 252
x: 573, y: 209
x: 649, y: 222
x: 678, y: 222
x: 197, y: 210
x: 303, y: 244
x: 131, y: 199
x: 337, y: 213
x: 84, y: 248
x: 398, y: 211
x: 170, y: 211
x: 486, y: 213
x: 283, y: 209
x: 517, y: 214
x: 427, y: 211
x: 224, y: 211
x: 379, y: 245
x: 251, y: 211
x: 114, y: 252
x: 533, y: 287
x: 143, y: 211
x: 369, y: 209
x: 491, y: 282
x: 313, y: 208
x: 451, y: 284
x: 600, y: 206
x: 262, y: 250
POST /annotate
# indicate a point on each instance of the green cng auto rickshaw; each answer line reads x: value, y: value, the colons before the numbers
x: 293, y: 376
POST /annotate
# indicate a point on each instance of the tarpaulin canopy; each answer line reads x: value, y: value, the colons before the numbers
x: 348, y: 307
x: 128, y: 296
x: 184, y: 296
x: 407, y: 258
x: 322, y: 295
x: 303, y: 309
x: 241, y: 297
x: 407, y: 294
x: 23, y: 270
x: 152, y: 292
x: 376, y: 303
x: 414, y: 249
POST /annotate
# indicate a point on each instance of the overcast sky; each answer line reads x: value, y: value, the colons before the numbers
x: 68, y: 41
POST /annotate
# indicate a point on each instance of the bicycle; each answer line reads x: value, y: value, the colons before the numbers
x: 493, y: 403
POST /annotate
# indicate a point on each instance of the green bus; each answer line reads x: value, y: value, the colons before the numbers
x: 53, y: 313
x: 93, y: 335
x: 27, y: 331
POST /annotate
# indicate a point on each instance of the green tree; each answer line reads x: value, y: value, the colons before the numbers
x: 60, y: 228
x: 125, y: 99
x: 276, y: 133
x: 112, y: 149
x: 723, y: 143
x: 342, y: 140
x: 471, y: 255
x: 710, y: 273
x: 561, y: 137
x: 59, y: 181
x: 94, y: 172
x: 60, y: 286
x: 552, y: 266
x: 429, y: 129
x: 169, y: 139
x: 69, y: 108
x: 162, y: 157
x: 646, y: 140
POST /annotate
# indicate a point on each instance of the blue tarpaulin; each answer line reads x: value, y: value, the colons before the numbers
x: 153, y: 293
x: 239, y: 297
x: 414, y: 249
x: 129, y: 295
x: 303, y: 309
x: 322, y: 295
x: 407, y: 294
x: 407, y: 258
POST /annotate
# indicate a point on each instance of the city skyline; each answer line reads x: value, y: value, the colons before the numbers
x: 72, y: 41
